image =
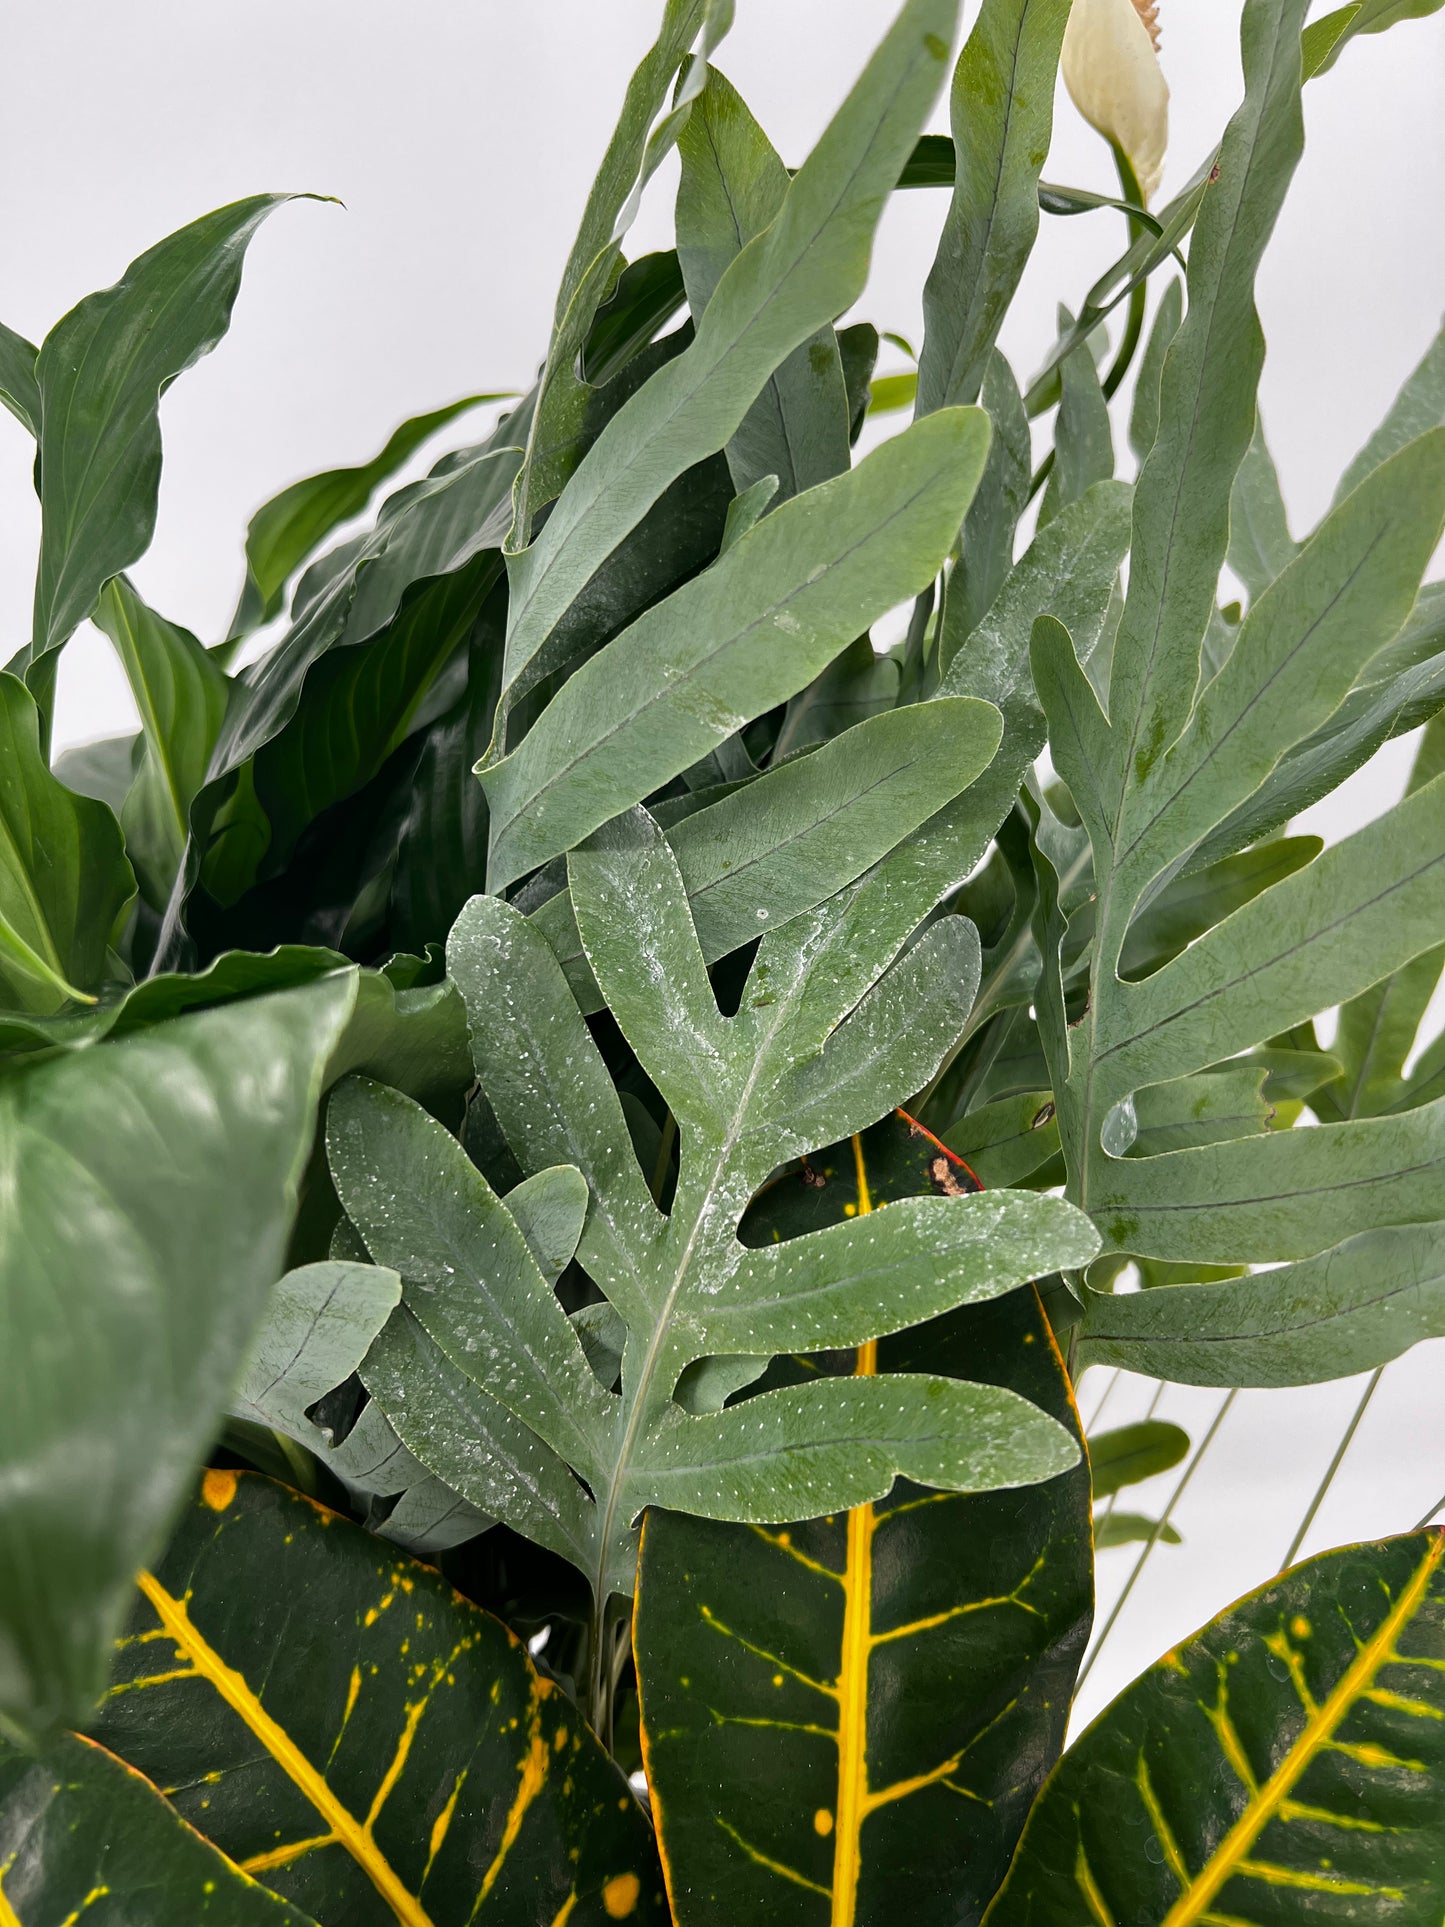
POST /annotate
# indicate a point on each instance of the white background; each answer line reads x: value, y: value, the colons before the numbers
x: 462, y: 136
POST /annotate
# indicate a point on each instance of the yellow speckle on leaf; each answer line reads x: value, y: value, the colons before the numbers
x: 1300, y: 1627
x: 218, y: 1489
x: 823, y: 1822
x: 777, y: 1679
x: 620, y: 1894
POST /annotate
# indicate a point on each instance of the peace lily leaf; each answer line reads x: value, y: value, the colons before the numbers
x: 78, y: 1822
x: 1288, y: 1757
x: 222, y: 1105
x: 786, y: 1074
x: 733, y: 185
x: 412, y: 1768
x: 293, y: 525
x: 19, y: 389
x: 65, y: 883
x: 1132, y: 1453
x: 779, y: 846
x: 181, y: 694
x: 640, y: 142
x: 101, y: 372
x: 755, y: 628
x: 1348, y: 1310
x: 1367, y: 16
x: 1001, y: 107
x: 805, y: 269
x: 835, y: 1713
x: 319, y: 1323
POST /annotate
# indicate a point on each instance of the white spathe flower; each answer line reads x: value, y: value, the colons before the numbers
x: 1111, y: 69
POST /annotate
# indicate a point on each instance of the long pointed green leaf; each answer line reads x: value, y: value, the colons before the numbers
x: 1207, y: 399
x: 64, y: 879
x: 733, y: 186
x: 1353, y: 1308
x: 778, y: 606
x: 181, y: 694
x: 1002, y: 110
x: 102, y: 372
x: 804, y: 270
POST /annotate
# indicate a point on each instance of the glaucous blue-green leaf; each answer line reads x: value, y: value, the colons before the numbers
x: 1068, y: 571
x: 1001, y: 108
x: 780, y: 845
x: 65, y: 883
x: 181, y: 694
x: 411, y: 1766
x: 732, y: 186
x: 1260, y: 544
x: 136, y: 1168
x: 1206, y: 399
x: 1286, y: 1763
x: 320, y: 1320
x: 745, y: 635
x: 1348, y: 1310
x: 76, y: 1822
x: 1083, y: 451
x: 292, y: 525
x: 827, y: 1037
x: 804, y: 270
x: 1419, y: 407
x: 101, y: 373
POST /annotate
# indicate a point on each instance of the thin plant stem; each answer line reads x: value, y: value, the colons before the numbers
x: 1109, y: 1391
x: 1439, y: 1506
x: 1153, y: 1539
x: 1332, y: 1468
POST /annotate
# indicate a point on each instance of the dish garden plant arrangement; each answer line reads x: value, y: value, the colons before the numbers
x: 569, y: 1127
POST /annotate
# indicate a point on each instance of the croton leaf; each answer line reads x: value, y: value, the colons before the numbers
x: 403, y: 1762
x: 78, y: 1827
x: 846, y: 1719
x: 1286, y: 1763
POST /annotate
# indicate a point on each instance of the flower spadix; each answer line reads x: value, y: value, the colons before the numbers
x: 1111, y: 68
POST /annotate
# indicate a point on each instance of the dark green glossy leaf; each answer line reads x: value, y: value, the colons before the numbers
x: 19, y: 389
x: 293, y: 525
x: 65, y: 883
x: 411, y: 1766
x: 1286, y: 1763
x: 181, y: 694
x: 1132, y: 1453
x: 78, y: 1827
x: 102, y: 372
x: 99, y: 1271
